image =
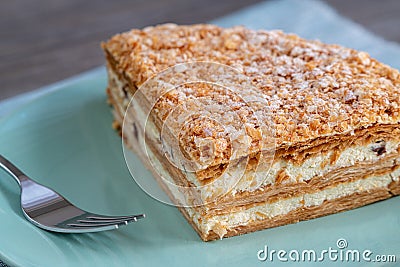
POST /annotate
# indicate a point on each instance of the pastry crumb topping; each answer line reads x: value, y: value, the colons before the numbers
x: 310, y: 89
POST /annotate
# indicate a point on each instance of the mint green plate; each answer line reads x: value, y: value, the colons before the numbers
x: 65, y: 140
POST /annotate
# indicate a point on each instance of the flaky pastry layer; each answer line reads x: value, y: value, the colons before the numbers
x: 311, y: 89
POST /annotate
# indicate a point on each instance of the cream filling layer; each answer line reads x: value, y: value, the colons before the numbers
x: 221, y: 223
x: 229, y: 181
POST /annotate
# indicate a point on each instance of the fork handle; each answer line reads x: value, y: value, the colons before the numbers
x: 10, y: 168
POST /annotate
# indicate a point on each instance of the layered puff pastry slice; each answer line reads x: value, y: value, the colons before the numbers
x: 247, y: 130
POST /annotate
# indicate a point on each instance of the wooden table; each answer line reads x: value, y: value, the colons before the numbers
x: 43, y: 41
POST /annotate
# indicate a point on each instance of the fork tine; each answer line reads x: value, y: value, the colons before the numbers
x: 113, y: 218
x: 91, y: 225
x: 107, y: 221
x: 94, y: 221
x: 90, y: 220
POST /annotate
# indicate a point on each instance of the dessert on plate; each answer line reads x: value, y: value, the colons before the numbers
x: 247, y: 130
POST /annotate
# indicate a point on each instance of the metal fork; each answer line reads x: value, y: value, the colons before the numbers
x: 49, y: 210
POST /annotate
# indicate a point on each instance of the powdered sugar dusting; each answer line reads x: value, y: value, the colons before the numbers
x: 310, y: 89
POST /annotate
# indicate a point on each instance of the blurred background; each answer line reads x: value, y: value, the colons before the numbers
x: 43, y: 41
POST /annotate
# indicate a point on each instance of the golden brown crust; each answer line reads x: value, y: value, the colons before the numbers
x: 312, y: 89
x: 296, y: 153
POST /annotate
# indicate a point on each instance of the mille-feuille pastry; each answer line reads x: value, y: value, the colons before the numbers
x: 247, y: 130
